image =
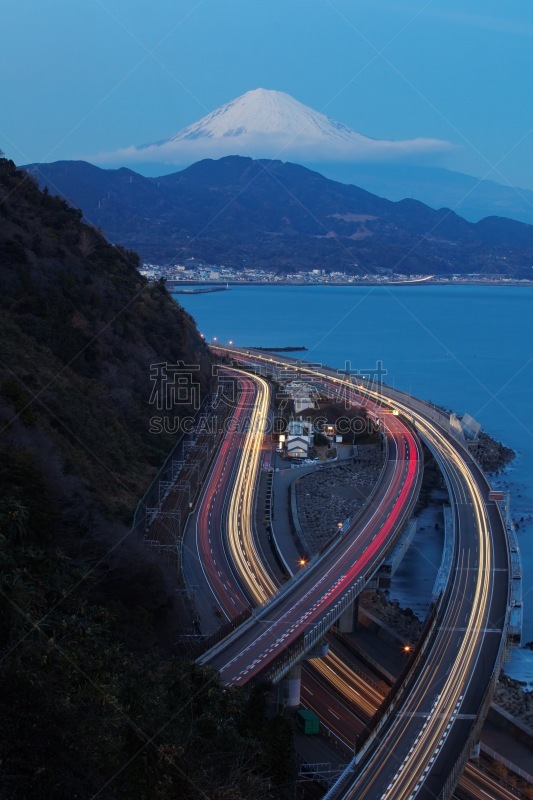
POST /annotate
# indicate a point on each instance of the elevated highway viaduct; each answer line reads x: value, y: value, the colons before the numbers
x: 286, y: 628
x: 419, y: 747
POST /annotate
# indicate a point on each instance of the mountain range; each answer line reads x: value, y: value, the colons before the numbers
x: 270, y: 124
x: 282, y: 216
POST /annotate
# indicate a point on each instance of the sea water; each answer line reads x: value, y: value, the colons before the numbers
x: 467, y: 348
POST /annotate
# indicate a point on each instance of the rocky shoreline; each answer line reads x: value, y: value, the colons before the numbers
x: 511, y: 696
x: 493, y: 456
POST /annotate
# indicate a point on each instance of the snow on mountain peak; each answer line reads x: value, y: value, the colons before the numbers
x: 266, y: 112
x: 265, y: 123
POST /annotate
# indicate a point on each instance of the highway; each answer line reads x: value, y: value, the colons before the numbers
x: 222, y: 561
x: 349, y: 684
x: 345, y: 698
x: 418, y: 749
x: 306, y: 601
x: 222, y: 540
x: 245, y: 557
x: 424, y: 740
x: 476, y: 784
x: 343, y: 720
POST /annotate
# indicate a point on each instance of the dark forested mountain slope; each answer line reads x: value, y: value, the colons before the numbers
x: 81, y: 329
x: 89, y: 704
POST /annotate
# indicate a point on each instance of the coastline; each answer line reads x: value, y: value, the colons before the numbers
x: 488, y: 373
x: 492, y: 456
x: 270, y: 284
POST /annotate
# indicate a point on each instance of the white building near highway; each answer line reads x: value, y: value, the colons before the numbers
x: 299, y: 439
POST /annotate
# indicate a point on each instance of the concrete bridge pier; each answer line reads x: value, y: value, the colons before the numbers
x: 291, y: 686
x: 347, y: 622
x: 292, y: 682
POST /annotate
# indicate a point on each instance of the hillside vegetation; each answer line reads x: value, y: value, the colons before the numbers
x: 93, y: 702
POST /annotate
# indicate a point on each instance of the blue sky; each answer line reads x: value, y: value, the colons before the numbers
x: 85, y: 76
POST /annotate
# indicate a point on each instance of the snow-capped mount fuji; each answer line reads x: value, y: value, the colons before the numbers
x: 272, y: 113
x: 265, y: 123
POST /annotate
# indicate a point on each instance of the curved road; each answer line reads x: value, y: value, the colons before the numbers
x: 219, y: 537
x: 318, y: 589
x: 419, y: 751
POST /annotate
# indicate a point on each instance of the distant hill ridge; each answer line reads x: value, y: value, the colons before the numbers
x: 265, y: 123
x: 281, y: 216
